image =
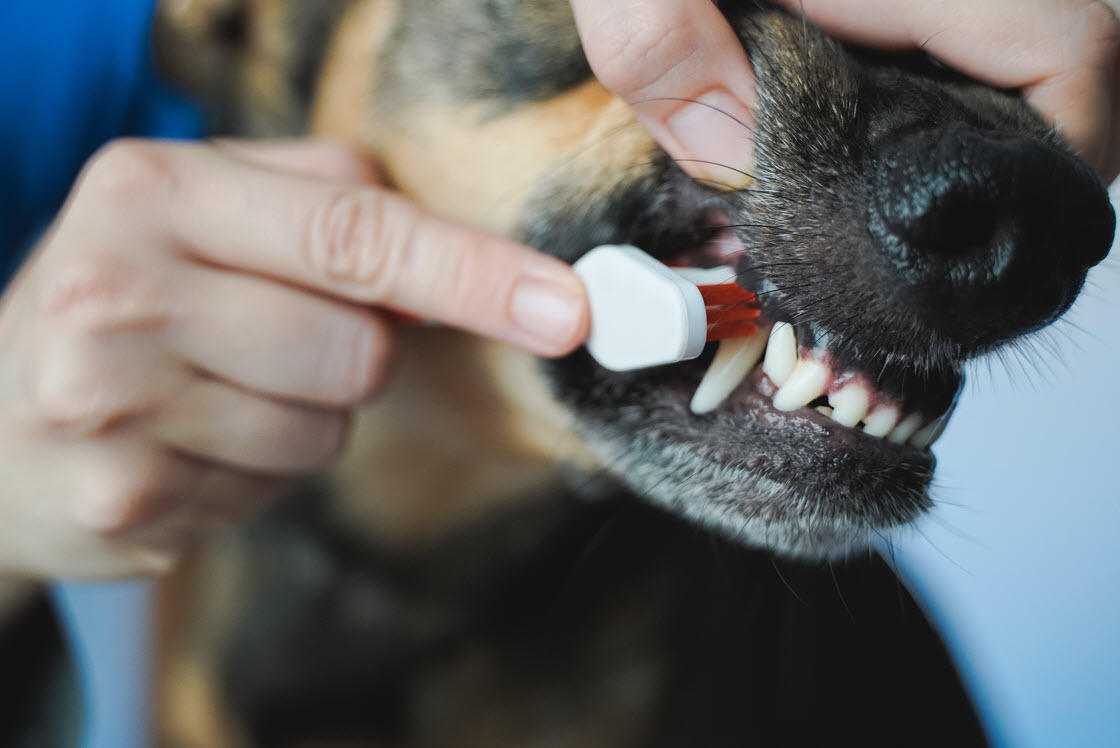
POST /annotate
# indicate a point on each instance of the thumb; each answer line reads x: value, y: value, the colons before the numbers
x: 684, y: 73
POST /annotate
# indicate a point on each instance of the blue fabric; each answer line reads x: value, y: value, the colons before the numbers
x: 76, y: 74
x: 110, y: 629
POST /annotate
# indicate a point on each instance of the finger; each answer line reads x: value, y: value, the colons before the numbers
x: 220, y: 423
x: 685, y: 74
x: 279, y: 340
x: 311, y: 157
x: 371, y: 246
x: 131, y: 488
x: 80, y: 488
x: 83, y: 379
x: 204, y: 498
x: 1061, y: 53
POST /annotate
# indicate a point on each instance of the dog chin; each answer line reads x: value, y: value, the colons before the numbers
x: 746, y: 507
x: 787, y: 483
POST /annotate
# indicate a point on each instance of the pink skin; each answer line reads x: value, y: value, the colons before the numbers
x: 660, y: 54
x: 200, y: 324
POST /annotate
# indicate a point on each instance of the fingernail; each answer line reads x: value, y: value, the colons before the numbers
x: 548, y: 312
x: 716, y: 142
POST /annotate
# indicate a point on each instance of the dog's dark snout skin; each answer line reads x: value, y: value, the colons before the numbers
x: 984, y: 248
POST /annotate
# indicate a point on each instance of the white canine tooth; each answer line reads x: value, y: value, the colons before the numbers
x: 808, y: 380
x: 781, y: 353
x: 849, y: 404
x: 733, y: 361
x: 881, y: 421
x: 904, y: 430
x: 824, y: 410
x: 931, y: 432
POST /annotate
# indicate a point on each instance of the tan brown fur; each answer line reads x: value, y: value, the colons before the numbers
x: 455, y: 408
x: 470, y: 164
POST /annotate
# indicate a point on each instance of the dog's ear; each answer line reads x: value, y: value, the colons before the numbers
x: 252, y: 64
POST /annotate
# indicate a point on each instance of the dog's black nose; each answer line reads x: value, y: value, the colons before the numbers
x: 990, y: 234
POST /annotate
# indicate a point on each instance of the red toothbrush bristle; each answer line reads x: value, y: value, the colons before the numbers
x: 731, y: 311
x: 725, y: 293
x: 734, y: 313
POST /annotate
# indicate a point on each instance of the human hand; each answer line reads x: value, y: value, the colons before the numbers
x: 1063, y: 54
x: 198, y: 325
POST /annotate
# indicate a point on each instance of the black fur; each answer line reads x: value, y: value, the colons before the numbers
x: 739, y: 649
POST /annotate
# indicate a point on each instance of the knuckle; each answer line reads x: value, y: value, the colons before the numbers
x: 127, y: 172
x: 86, y: 309
x: 359, y: 237
x: 66, y: 396
x: 100, y: 292
x: 123, y: 500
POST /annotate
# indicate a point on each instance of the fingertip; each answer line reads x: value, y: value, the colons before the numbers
x: 551, y: 315
x: 685, y: 73
x: 712, y: 140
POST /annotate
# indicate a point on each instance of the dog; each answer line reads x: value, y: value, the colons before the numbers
x: 517, y: 553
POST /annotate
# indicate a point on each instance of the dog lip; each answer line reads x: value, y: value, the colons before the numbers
x: 752, y: 402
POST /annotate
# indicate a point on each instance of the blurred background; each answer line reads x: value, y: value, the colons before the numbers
x: 1019, y: 564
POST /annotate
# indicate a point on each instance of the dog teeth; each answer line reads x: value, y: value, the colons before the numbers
x: 781, y: 353
x: 800, y: 381
x: 931, y: 432
x: 849, y: 404
x: 733, y: 361
x: 924, y: 437
x: 808, y: 381
x: 881, y: 421
x: 901, y: 433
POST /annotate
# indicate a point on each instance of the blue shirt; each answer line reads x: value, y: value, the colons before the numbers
x: 76, y: 74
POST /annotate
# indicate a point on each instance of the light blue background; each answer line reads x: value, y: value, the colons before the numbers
x: 1020, y: 562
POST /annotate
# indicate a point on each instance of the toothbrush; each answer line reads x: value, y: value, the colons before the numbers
x: 645, y: 313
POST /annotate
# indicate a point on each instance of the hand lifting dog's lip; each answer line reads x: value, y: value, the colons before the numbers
x: 911, y: 225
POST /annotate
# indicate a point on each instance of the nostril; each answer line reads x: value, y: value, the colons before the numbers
x: 942, y: 199
x: 990, y: 233
x: 953, y: 223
